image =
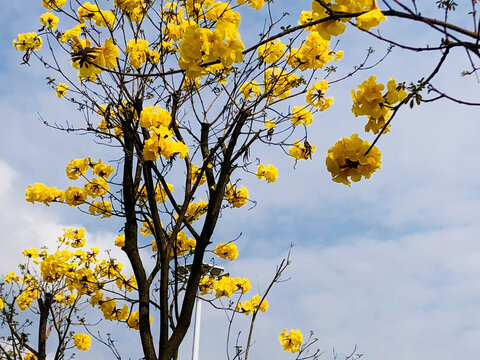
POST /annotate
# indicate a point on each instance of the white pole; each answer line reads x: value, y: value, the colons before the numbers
x: 196, y: 331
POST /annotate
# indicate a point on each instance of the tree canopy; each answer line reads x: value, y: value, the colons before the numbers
x: 189, y: 105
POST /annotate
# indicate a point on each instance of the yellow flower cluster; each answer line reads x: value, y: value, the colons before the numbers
x: 291, y: 341
x: 120, y: 241
x: 301, y: 151
x: 201, y: 45
x: 236, y: 197
x: 370, y: 19
x: 250, y: 89
x: 268, y: 172
x: 73, y: 196
x: 49, y: 21
x: 182, y: 244
x: 217, y: 43
x: 53, y: 4
x: 195, y: 176
x: 61, y: 90
x: 255, y: 4
x: 225, y: 286
x: 279, y: 83
x: 195, y: 210
x: 10, y: 277
x: 271, y: 52
x: 73, y: 237
x: 135, y: 10
x: 313, y: 54
x: 347, y: 160
x: 41, y: 193
x: 27, y: 42
x: 138, y: 52
x: 371, y: 16
x: 103, y: 208
x: 226, y: 251
x: 254, y: 305
x: 133, y: 320
x: 96, y: 187
x: 82, y: 341
x: 316, y: 96
x: 91, y: 61
x: 88, y: 11
x: 30, y: 356
x: 368, y: 100
x: 269, y: 124
x: 154, y: 116
x: 29, y: 294
x: 160, y: 141
x: 300, y: 115
x: 72, y: 33
x: 71, y: 272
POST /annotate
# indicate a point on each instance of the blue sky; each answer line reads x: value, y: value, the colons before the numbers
x: 390, y: 264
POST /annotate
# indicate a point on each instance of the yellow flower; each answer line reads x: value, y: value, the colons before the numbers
x: 120, y: 241
x: 41, y: 193
x: 77, y: 168
x: 368, y: 99
x: 31, y: 253
x: 195, y: 175
x: 82, y: 341
x: 255, y: 301
x: 268, y: 172
x: 301, y: 151
x: 236, y: 197
x: 137, y: 50
x: 243, y: 284
x: 108, y: 55
x: 313, y: 54
x: 61, y: 89
x: 247, y: 307
x: 370, y: 19
x: 75, y: 196
x: 11, y: 277
x: 72, y: 33
x: 269, y: 124
x: 30, y: 356
x: 2, y: 305
x: 207, y: 285
x: 102, y: 170
x: 182, y: 244
x: 195, y: 210
x: 291, y: 341
x: 346, y: 160
x: 255, y: 4
x: 96, y: 187
x: 53, y: 4
x: 103, y: 208
x: 279, y: 83
x: 250, y: 89
x: 316, y: 96
x: 89, y: 11
x: 154, y: 116
x: 27, y: 42
x: 226, y: 251
x: 271, y: 51
x: 300, y: 115
x: 133, y: 320
x: 225, y: 287
x: 49, y: 20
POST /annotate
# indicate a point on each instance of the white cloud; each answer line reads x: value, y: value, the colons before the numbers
x: 413, y: 297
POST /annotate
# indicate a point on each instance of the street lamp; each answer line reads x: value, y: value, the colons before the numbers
x: 214, y: 271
